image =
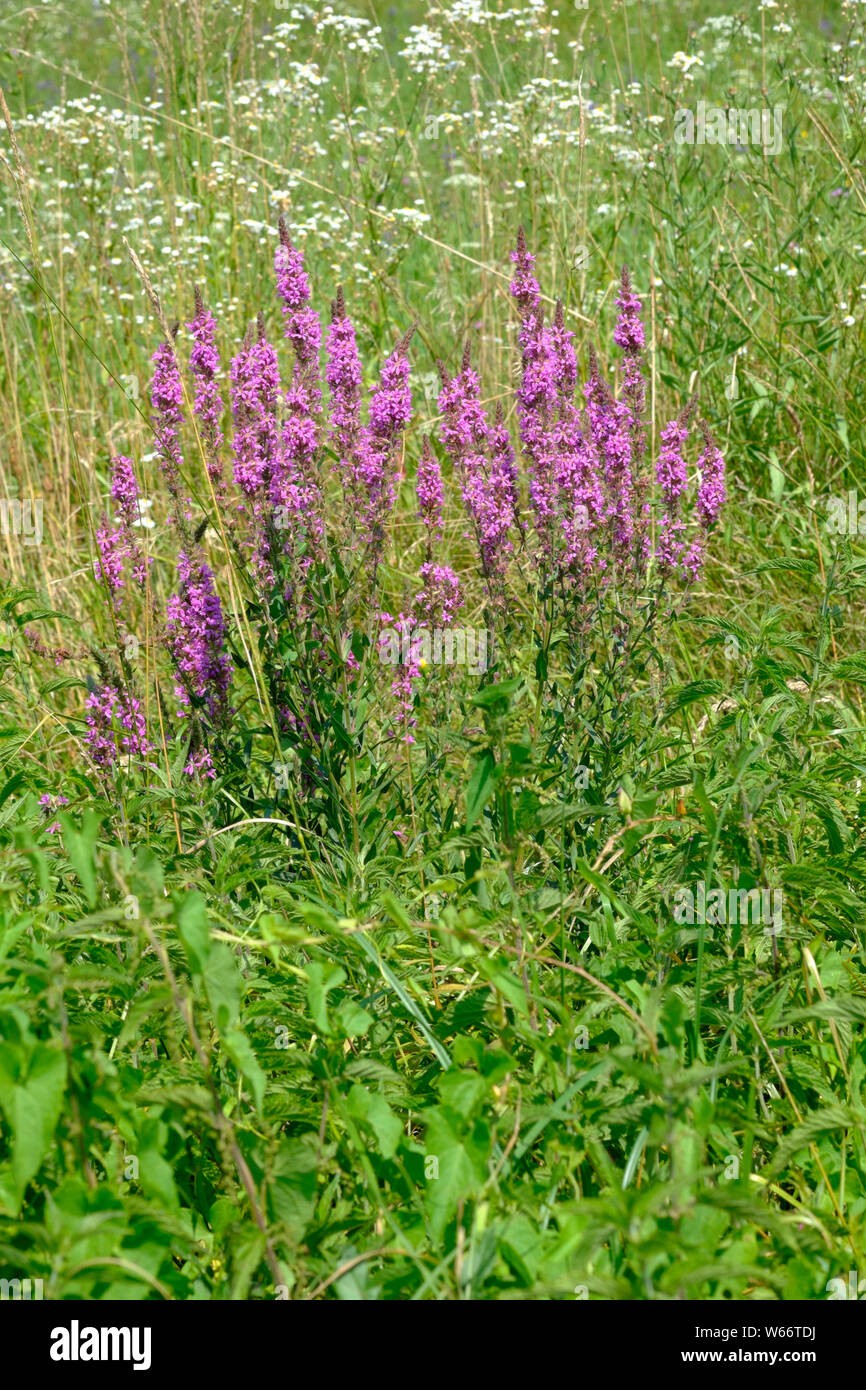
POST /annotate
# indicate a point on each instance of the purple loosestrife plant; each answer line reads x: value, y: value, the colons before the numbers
x: 711, y: 488
x: 208, y: 404
x: 116, y: 730
x: 607, y: 530
x: 343, y: 375
x: 255, y: 388
x: 390, y: 411
x: 672, y: 478
x: 296, y: 487
x: 543, y: 385
x: 711, y: 499
x: 197, y: 638
x: 117, y: 544
x: 484, y: 464
x: 166, y: 395
x: 430, y: 494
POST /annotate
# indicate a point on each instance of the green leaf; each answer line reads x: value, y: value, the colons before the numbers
x: 155, y: 1173
x: 373, y: 1109
x: 222, y: 982
x: 80, y: 847
x: 240, y: 1049
x: 481, y: 787
x: 461, y: 1157
x: 322, y: 976
x: 193, y: 929
x: 497, y: 694
x: 292, y: 1188
x: 691, y: 693
x: 32, y: 1092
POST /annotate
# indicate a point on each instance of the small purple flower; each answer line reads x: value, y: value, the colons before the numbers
x: 49, y: 804
x: 200, y: 764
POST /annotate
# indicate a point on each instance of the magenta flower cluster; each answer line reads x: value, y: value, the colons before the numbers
x: 197, y: 637
x: 576, y: 493
x: 598, y: 516
x: 119, y: 551
x: 116, y: 728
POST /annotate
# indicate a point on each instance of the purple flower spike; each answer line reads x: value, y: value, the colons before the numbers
x: 430, y: 493
x: 115, y: 727
x: 503, y: 468
x: 672, y: 478
x: 671, y: 473
x: 524, y: 286
x: 118, y: 544
x: 629, y: 331
x: 546, y: 370
x: 343, y: 375
x: 610, y: 439
x: 711, y: 489
x: 166, y: 394
x: 208, y: 405
x: 440, y: 599
x: 389, y: 414
x: 485, y: 466
x: 124, y: 490
x: 197, y: 635
x: 112, y: 552
x: 255, y: 384
x: 303, y: 328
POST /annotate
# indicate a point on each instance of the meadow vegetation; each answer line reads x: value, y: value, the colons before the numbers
x: 431, y: 742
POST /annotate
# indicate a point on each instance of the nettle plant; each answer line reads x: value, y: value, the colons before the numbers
x: 291, y: 673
